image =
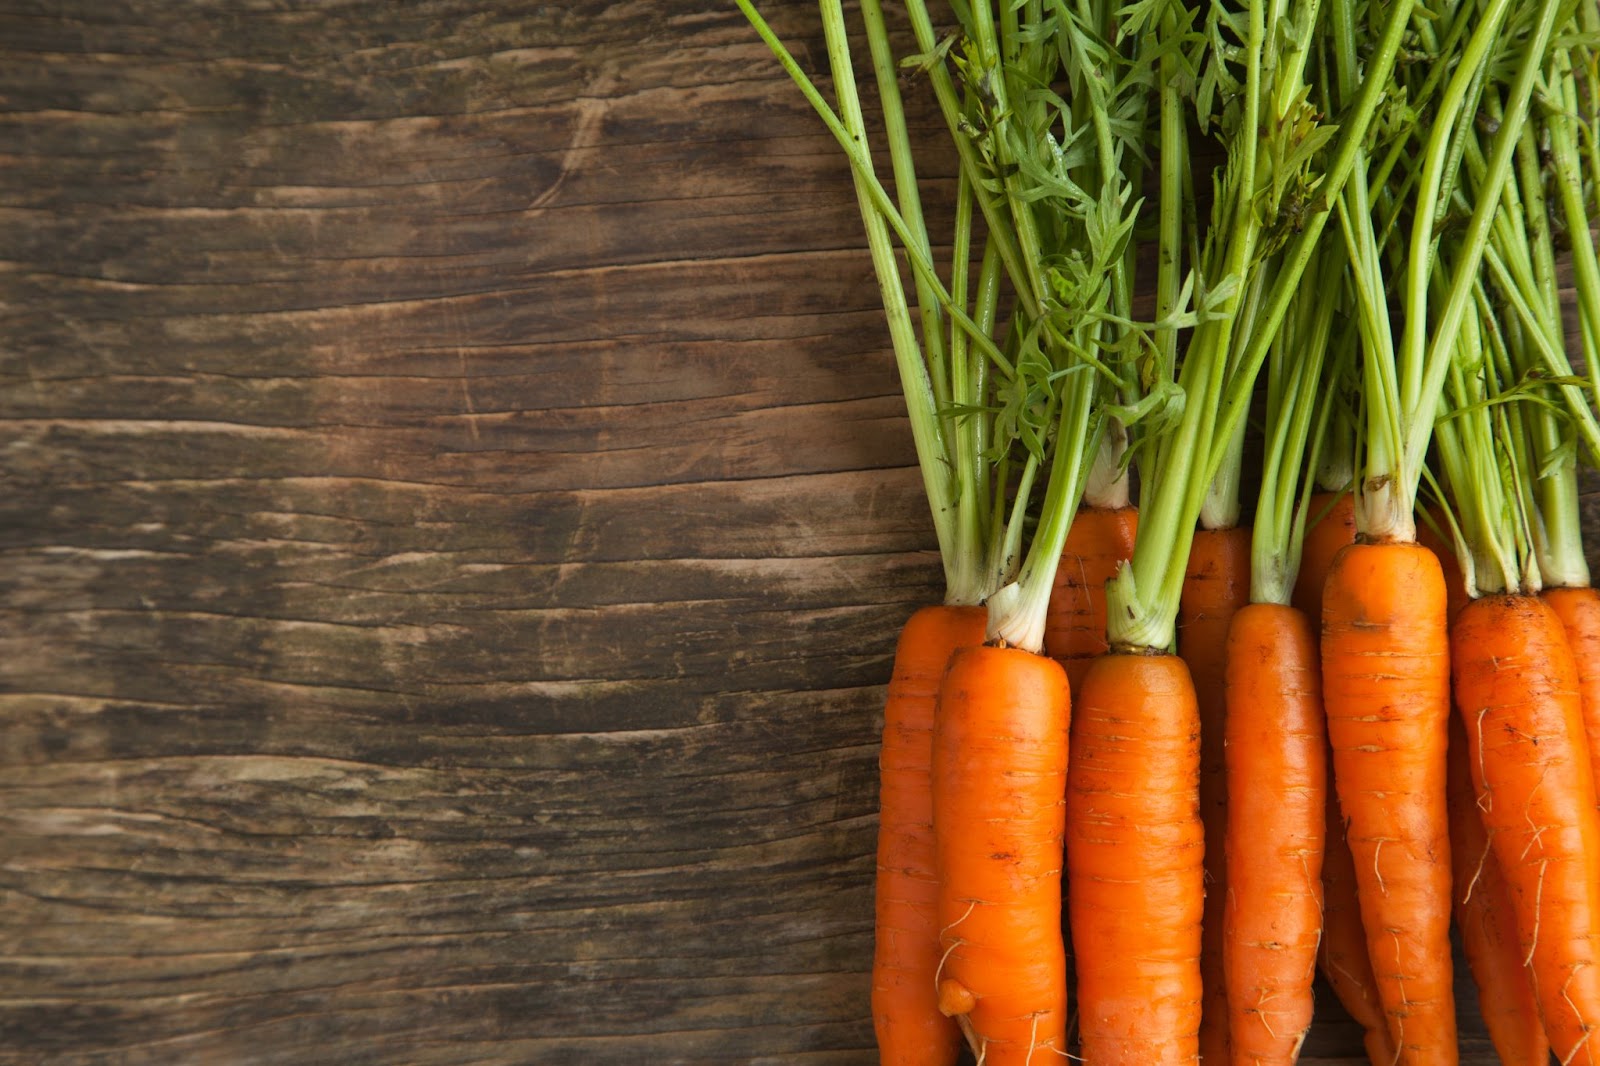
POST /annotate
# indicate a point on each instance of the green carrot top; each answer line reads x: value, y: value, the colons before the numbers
x: 1283, y: 170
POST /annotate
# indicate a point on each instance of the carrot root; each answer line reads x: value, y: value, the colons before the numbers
x: 1098, y: 542
x: 1134, y: 852
x: 1579, y: 611
x: 999, y: 782
x: 1276, y: 759
x: 1487, y: 919
x: 1386, y: 688
x: 1216, y: 585
x: 1517, y: 688
x: 910, y: 1029
x: 1342, y: 953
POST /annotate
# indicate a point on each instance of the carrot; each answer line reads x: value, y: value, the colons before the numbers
x: 1385, y: 645
x: 1562, y: 148
x: 1386, y: 687
x: 1342, y: 954
x: 1276, y: 763
x: 1135, y: 840
x: 905, y: 1014
x: 1000, y: 740
x: 1324, y: 537
x: 1099, y: 540
x: 1488, y: 924
x: 1455, y: 584
x: 1563, y: 565
x: 1579, y: 611
x: 999, y: 781
x: 1517, y: 687
x: 1216, y: 584
x: 1134, y: 859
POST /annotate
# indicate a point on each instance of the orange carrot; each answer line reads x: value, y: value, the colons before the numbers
x: 1099, y: 540
x: 1488, y: 924
x: 1455, y: 584
x: 1517, y: 687
x: 1324, y: 537
x: 1579, y: 611
x: 1386, y: 688
x: 1134, y: 859
x: 1216, y: 584
x: 999, y: 784
x: 1277, y: 766
x: 905, y: 1014
x: 1342, y: 955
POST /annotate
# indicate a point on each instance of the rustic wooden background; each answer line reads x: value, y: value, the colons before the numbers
x: 455, y: 511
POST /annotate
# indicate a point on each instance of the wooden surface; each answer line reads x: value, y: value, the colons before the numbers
x: 455, y: 510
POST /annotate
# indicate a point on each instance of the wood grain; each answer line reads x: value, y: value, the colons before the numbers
x: 455, y: 508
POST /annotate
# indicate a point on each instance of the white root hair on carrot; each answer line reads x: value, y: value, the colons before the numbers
x: 1538, y: 914
x: 1405, y: 1000
x: 938, y: 972
x: 1050, y: 1046
x: 1477, y: 871
x: 1265, y: 1015
x: 1348, y: 975
x: 1527, y: 813
x: 1538, y: 830
x: 1486, y: 798
x: 978, y: 1044
x: 1313, y: 884
x: 1587, y: 1028
x: 971, y: 905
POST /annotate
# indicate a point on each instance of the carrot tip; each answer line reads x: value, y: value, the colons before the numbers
x: 955, y: 998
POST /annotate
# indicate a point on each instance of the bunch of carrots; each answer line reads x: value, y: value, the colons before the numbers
x: 1176, y: 747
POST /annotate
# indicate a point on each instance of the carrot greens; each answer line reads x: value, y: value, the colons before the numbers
x: 1297, y: 408
x: 1266, y: 195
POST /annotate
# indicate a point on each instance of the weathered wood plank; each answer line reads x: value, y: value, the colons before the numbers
x: 454, y: 515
